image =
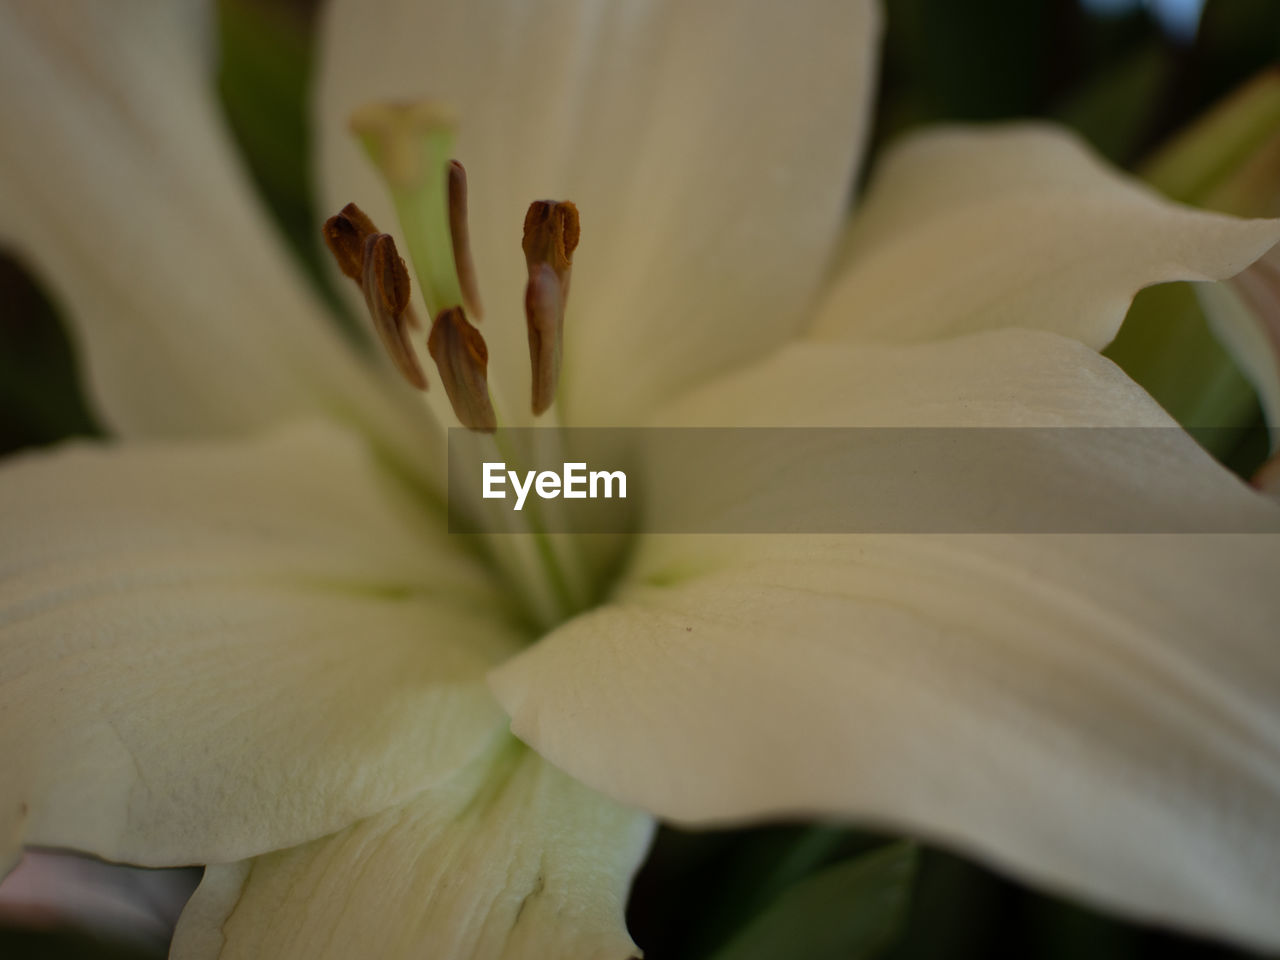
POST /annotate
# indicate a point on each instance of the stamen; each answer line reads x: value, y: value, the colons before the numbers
x: 461, y: 235
x: 385, y: 281
x: 352, y: 237
x: 551, y: 233
x: 463, y: 361
x: 544, y: 314
x: 411, y: 144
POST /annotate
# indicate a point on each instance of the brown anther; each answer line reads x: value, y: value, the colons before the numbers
x: 460, y: 233
x: 359, y: 218
x: 544, y: 315
x: 551, y: 233
x: 385, y: 281
x: 463, y: 361
x: 345, y: 234
x: 384, y: 266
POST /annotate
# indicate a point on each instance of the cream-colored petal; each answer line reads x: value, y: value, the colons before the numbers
x: 513, y: 860
x: 120, y: 188
x: 1057, y: 470
x: 994, y: 378
x: 1244, y: 313
x: 1097, y: 713
x: 709, y: 146
x: 208, y: 651
x: 965, y: 230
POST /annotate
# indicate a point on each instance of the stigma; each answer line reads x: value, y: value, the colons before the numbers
x: 411, y: 145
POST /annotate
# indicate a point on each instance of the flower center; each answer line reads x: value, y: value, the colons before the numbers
x: 411, y: 145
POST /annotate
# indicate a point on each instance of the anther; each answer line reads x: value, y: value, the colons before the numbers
x: 463, y: 361
x: 544, y: 315
x: 551, y: 232
x: 385, y: 281
x: 460, y: 233
x: 345, y: 234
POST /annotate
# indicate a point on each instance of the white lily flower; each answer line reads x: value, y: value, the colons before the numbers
x: 239, y: 637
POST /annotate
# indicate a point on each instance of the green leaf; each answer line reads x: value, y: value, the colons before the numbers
x: 848, y: 911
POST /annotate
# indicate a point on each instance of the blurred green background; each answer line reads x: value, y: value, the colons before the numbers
x: 1115, y: 72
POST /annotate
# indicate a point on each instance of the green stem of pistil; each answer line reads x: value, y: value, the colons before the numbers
x: 411, y: 145
x: 423, y: 211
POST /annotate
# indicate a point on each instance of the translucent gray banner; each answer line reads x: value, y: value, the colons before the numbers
x: 846, y: 480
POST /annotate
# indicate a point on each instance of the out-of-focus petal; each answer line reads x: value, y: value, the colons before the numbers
x: 1074, y: 709
x: 1066, y: 444
x: 513, y: 860
x: 208, y: 651
x: 1097, y: 713
x: 965, y: 230
x: 119, y: 186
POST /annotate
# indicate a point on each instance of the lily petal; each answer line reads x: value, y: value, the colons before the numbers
x: 709, y: 202
x: 964, y: 230
x: 993, y: 378
x: 215, y: 650
x: 120, y: 187
x: 520, y: 861
x: 1096, y: 713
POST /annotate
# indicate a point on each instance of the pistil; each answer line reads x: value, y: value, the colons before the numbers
x: 411, y: 144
